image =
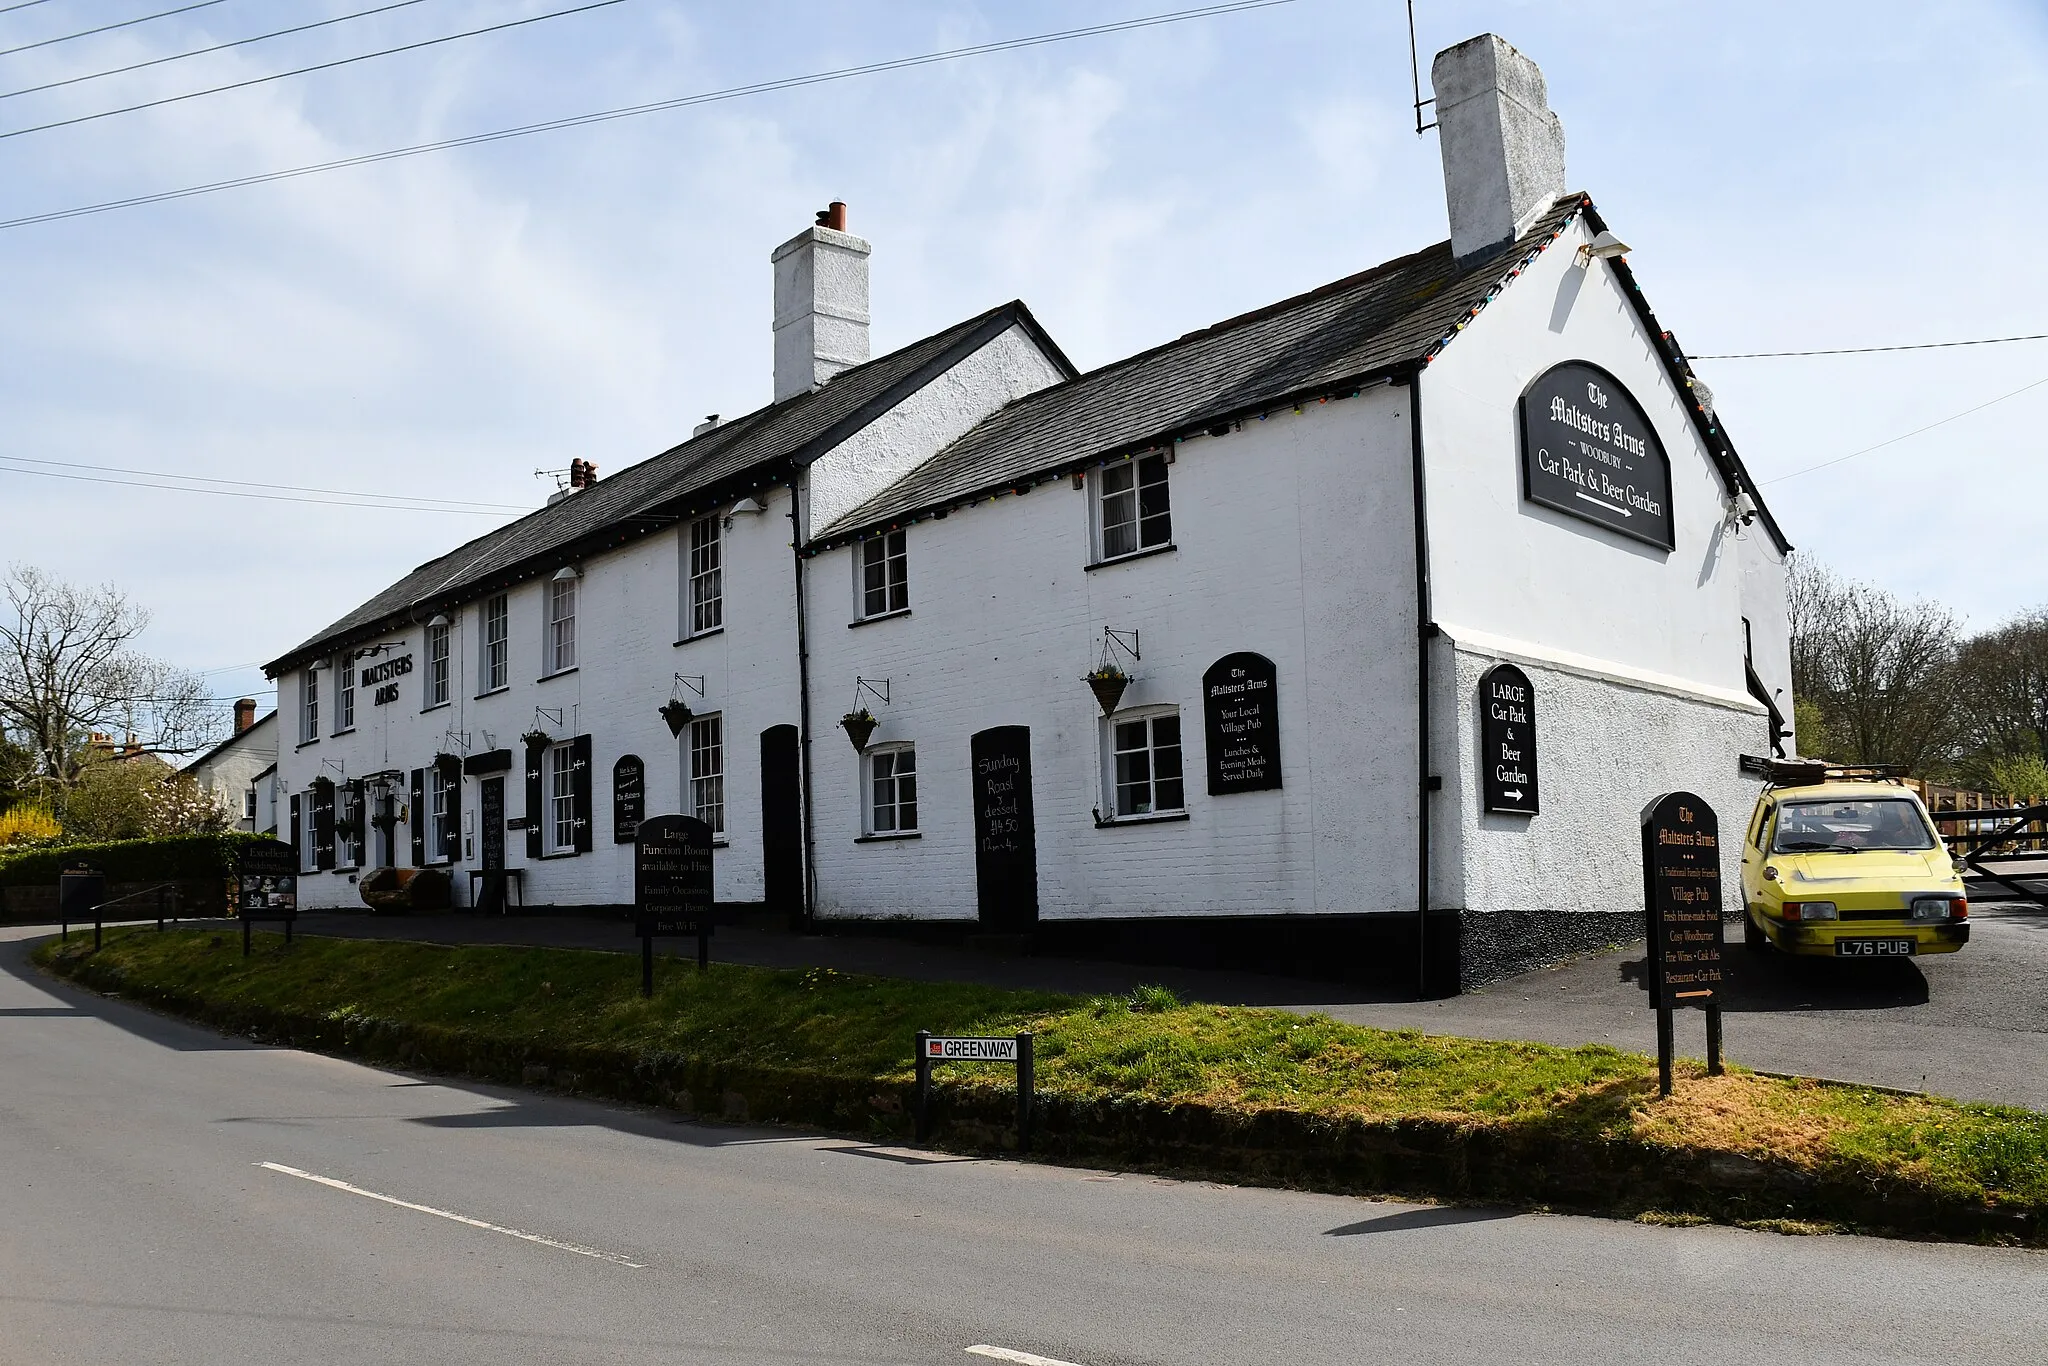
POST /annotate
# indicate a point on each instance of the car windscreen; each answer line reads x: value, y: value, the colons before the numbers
x: 1870, y: 823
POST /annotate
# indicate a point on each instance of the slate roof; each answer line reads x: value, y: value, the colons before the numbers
x: 1395, y: 315
x: 682, y: 481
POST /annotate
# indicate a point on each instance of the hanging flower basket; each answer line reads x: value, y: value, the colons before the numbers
x: 859, y: 725
x: 1108, y: 684
x: 347, y: 829
x: 677, y: 713
x: 537, y: 737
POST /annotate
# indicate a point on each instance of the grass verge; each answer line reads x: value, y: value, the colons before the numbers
x: 1143, y: 1080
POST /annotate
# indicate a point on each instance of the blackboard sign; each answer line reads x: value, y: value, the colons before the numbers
x: 629, y: 798
x: 1682, y: 899
x: 1588, y: 449
x: 1005, y: 833
x: 672, y: 873
x: 1241, y: 724
x: 266, y: 880
x: 1507, y: 740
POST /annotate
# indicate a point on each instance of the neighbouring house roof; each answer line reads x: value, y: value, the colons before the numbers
x: 1321, y: 344
x: 684, y: 481
x: 237, y: 738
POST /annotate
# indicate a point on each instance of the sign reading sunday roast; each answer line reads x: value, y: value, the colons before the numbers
x: 1507, y: 740
x: 1241, y: 724
x: 1588, y: 450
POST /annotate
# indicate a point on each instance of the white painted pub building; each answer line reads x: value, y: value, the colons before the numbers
x: 1351, y: 634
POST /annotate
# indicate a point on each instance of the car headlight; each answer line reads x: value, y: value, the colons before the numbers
x: 1811, y: 910
x: 1940, y: 907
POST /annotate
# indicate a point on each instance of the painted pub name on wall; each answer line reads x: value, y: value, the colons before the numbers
x: 378, y: 674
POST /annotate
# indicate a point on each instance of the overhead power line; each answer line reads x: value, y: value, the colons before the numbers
x: 1868, y: 350
x: 632, y: 111
x: 203, y: 51
x: 1915, y: 432
x: 106, y: 28
x: 301, y: 71
x: 266, y: 485
x: 382, y: 505
x: 24, y: 4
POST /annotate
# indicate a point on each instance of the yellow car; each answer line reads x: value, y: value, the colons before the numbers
x: 1844, y: 866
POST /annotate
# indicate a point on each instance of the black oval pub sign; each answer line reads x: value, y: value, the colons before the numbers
x: 1507, y: 740
x: 1588, y: 450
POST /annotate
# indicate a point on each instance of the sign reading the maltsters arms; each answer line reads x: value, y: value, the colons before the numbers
x: 1588, y: 450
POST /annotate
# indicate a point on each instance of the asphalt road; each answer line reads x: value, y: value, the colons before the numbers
x: 137, y: 1226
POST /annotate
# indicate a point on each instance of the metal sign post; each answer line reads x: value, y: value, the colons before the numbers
x: 1682, y: 914
x: 672, y: 887
x: 1016, y: 1049
x: 266, y: 886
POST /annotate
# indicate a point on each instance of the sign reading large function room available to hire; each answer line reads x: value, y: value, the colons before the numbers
x: 1241, y: 724
x: 1589, y: 450
x: 1507, y: 741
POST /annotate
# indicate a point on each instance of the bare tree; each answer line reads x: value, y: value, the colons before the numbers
x: 69, y: 669
x: 1879, y: 673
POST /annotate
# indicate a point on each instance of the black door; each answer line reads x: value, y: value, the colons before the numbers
x: 385, y: 825
x: 782, y: 821
x: 1005, y: 835
x: 491, y: 816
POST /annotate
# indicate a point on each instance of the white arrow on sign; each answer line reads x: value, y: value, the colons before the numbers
x: 1513, y: 796
x: 1602, y: 502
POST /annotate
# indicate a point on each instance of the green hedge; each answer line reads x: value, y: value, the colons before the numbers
x: 166, y: 860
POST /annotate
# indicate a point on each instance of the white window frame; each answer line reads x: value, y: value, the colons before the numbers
x: 309, y: 853
x: 438, y: 787
x: 1151, y: 805
x: 1124, y: 503
x: 889, y: 553
x: 560, y: 636
x: 345, y: 694
x: 440, y: 669
x: 704, y: 770
x: 558, y: 828
x: 703, y: 550
x: 885, y: 817
x: 494, y: 663
x: 309, y: 706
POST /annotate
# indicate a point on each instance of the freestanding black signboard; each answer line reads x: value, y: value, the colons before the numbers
x: 629, y: 798
x: 1507, y: 741
x: 266, y: 885
x: 1588, y: 450
x: 671, y: 887
x: 1005, y: 835
x: 1241, y: 724
x: 1682, y: 906
x: 80, y: 891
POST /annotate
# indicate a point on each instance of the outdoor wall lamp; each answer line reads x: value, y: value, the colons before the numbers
x: 1604, y: 247
x: 566, y: 574
x: 438, y: 620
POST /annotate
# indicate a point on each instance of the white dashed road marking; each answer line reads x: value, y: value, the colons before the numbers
x: 465, y: 1219
x: 1021, y: 1358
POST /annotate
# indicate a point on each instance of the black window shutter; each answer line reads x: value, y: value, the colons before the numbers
x: 323, y: 824
x: 297, y: 848
x: 451, y: 833
x: 352, y: 807
x: 579, y: 786
x: 419, y: 818
x: 535, y: 755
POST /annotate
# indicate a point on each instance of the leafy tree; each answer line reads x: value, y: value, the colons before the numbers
x: 2003, y: 685
x: 69, y: 668
x: 125, y: 797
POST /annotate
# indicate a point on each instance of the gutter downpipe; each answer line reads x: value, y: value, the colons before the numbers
x: 803, y: 686
x: 1426, y: 631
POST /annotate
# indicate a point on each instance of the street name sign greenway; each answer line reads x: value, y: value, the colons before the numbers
x: 1682, y: 915
x: 1014, y: 1049
x: 1589, y: 451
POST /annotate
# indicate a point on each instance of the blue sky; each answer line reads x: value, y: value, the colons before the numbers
x: 1790, y: 177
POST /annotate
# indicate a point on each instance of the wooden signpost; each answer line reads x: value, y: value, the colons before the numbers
x: 266, y: 886
x: 1682, y: 909
x: 671, y: 887
x: 1014, y: 1049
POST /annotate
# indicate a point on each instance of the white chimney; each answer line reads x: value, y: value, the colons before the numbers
x: 821, y: 304
x: 1503, y: 149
